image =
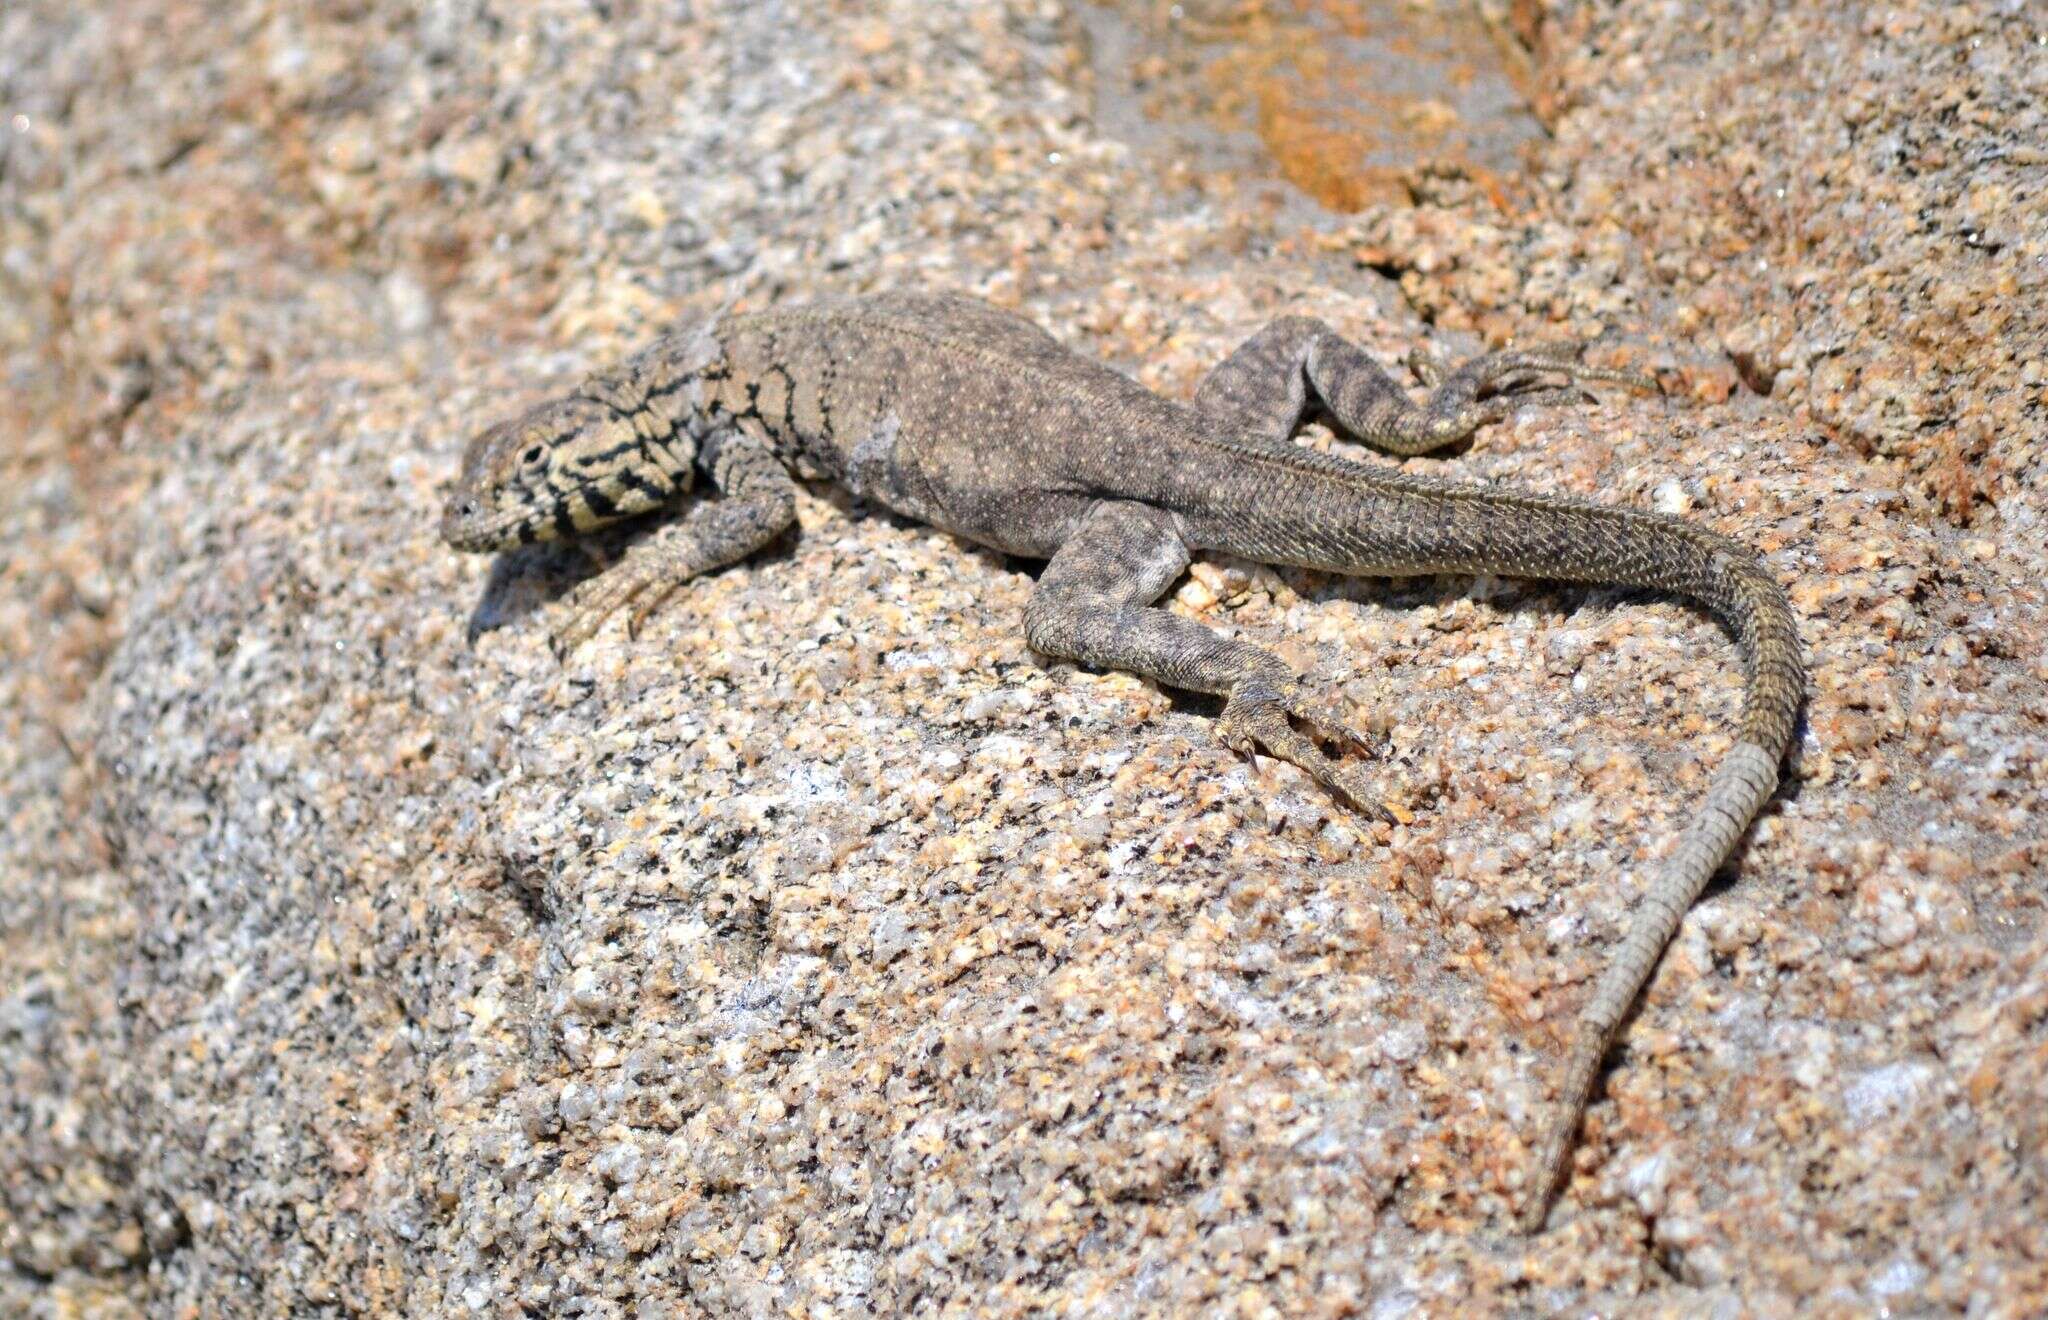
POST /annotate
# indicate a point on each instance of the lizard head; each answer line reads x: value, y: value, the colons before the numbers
x: 562, y: 468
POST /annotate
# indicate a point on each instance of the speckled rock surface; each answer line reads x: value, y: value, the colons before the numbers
x: 822, y: 951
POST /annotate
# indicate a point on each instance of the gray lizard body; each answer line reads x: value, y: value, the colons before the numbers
x: 969, y: 419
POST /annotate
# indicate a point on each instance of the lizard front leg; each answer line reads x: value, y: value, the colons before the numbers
x: 757, y: 501
x: 1094, y: 604
x: 1272, y: 379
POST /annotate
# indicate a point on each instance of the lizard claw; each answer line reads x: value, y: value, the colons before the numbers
x: 600, y: 598
x: 1261, y: 715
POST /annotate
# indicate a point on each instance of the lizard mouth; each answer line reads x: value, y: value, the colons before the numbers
x: 467, y: 525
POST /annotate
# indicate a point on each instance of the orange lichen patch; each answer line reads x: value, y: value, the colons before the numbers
x: 1321, y: 159
x: 1352, y: 99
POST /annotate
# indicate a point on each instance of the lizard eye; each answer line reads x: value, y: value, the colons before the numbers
x: 533, y: 456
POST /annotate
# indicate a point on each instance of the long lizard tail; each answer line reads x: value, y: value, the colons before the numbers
x: 1573, y: 541
x: 1397, y: 523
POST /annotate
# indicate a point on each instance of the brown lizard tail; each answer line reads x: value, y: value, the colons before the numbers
x: 1396, y: 523
x: 1569, y: 540
x: 1739, y: 589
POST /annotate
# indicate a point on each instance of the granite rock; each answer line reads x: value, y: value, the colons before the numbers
x: 823, y: 951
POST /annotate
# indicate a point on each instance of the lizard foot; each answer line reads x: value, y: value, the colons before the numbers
x: 601, y: 597
x: 1486, y: 390
x: 1521, y: 372
x: 1261, y: 715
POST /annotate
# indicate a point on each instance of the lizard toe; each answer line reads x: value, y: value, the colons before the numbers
x: 645, y: 602
x: 1249, y: 718
x: 595, y: 602
x: 1530, y: 373
x: 1325, y: 718
x: 1362, y: 792
x: 579, y: 628
x: 1261, y: 716
x: 1510, y: 401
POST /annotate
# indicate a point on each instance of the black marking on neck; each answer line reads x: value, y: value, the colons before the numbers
x: 633, y: 480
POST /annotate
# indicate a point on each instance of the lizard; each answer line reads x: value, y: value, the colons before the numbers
x: 954, y: 413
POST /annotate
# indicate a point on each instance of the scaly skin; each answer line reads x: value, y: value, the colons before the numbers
x: 974, y: 421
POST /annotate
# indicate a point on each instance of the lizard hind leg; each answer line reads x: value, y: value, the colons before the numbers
x: 1297, y: 363
x: 1094, y: 604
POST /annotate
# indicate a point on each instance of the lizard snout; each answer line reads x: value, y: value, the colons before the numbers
x: 458, y: 522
